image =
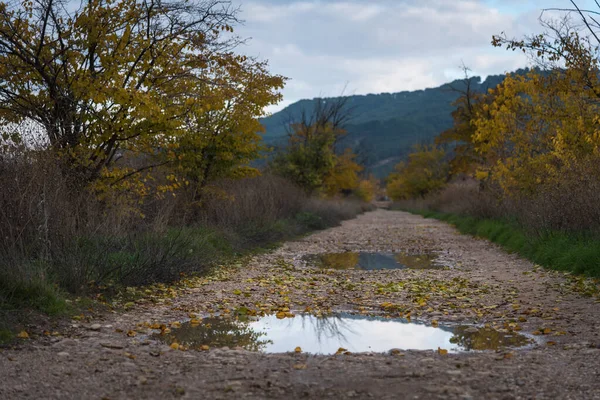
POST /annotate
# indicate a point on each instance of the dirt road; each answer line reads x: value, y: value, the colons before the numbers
x: 112, y: 356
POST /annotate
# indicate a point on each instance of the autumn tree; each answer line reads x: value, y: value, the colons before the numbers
x: 144, y: 79
x: 344, y: 177
x: 306, y: 162
x: 540, y: 126
x: 367, y: 189
x: 310, y: 159
x: 470, y: 104
x: 221, y: 140
x: 565, y: 44
x: 425, y: 171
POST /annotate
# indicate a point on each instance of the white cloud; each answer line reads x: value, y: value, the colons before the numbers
x: 381, y: 45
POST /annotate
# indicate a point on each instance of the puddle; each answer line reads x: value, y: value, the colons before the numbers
x: 373, y: 261
x: 487, y: 339
x: 325, y: 335
x: 217, y: 332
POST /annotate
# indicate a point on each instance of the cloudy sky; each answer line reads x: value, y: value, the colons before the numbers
x: 374, y: 46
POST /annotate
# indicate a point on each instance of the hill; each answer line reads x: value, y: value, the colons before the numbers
x: 384, y: 127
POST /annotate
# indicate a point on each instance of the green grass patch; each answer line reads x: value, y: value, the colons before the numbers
x: 562, y: 251
x: 35, y: 294
x: 6, y: 336
x: 18, y: 297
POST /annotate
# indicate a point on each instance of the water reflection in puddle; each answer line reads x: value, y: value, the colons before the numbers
x: 325, y: 335
x: 487, y: 339
x: 217, y: 332
x: 373, y: 261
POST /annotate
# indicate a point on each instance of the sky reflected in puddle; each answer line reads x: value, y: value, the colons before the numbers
x: 373, y: 261
x: 325, y: 335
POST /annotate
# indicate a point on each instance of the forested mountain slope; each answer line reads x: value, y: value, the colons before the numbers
x: 384, y: 127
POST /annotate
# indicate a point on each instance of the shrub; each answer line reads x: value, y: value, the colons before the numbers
x: 57, y: 239
x: 366, y: 190
x: 426, y: 171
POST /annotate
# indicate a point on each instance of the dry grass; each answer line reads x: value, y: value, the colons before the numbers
x: 256, y: 201
x: 56, y: 239
x: 558, y: 226
x: 569, y: 205
x: 268, y: 208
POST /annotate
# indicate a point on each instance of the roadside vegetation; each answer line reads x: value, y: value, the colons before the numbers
x: 578, y: 253
x: 521, y: 164
x: 128, y: 132
x: 313, y: 159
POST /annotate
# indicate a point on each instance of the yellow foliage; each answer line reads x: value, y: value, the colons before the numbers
x: 23, y: 335
x: 538, y: 126
x: 481, y: 174
x: 310, y: 160
x: 366, y: 190
x: 344, y: 176
x: 310, y: 156
x: 425, y: 171
x: 469, y: 105
x: 121, y: 88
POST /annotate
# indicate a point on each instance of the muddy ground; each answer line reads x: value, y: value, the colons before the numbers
x: 113, y: 355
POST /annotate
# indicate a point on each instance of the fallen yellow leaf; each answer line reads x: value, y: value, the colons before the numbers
x: 281, y: 315
x: 23, y: 335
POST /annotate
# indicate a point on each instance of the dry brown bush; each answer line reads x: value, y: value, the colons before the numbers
x: 45, y: 222
x: 461, y: 196
x: 569, y: 205
x: 269, y: 208
x: 53, y: 233
x: 259, y: 200
x: 332, y: 211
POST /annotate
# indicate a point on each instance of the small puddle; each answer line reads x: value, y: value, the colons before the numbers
x: 373, y: 261
x: 487, y: 339
x: 325, y: 335
x: 217, y: 332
